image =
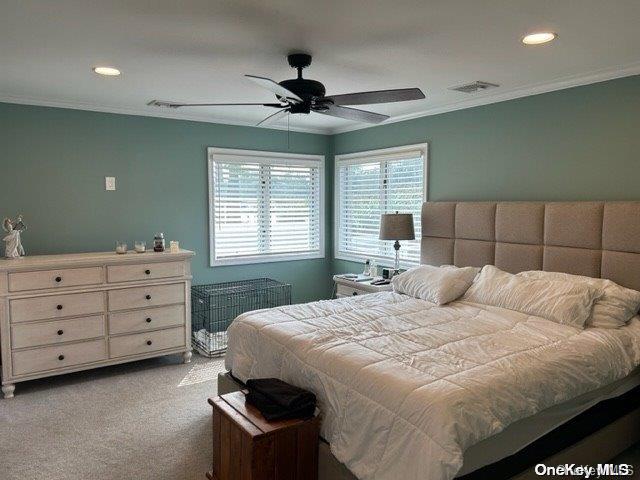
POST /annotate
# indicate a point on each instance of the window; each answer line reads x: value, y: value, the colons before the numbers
x: 368, y: 184
x: 265, y: 207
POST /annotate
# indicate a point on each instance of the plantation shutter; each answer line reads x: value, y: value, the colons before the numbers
x: 265, y: 206
x: 370, y: 186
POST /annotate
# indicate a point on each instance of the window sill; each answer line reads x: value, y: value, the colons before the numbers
x: 385, y: 262
x: 285, y: 257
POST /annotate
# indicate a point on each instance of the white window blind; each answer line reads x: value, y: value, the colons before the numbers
x: 265, y: 207
x: 373, y: 183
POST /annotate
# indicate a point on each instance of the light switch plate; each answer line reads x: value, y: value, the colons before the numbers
x: 109, y: 183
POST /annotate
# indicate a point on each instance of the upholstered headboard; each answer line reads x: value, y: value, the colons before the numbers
x: 596, y: 239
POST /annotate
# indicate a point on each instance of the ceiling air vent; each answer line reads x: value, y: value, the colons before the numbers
x: 474, y: 87
x: 162, y: 104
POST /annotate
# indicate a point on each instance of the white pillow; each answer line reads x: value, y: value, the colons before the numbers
x: 437, y: 285
x: 614, y: 309
x: 561, y: 302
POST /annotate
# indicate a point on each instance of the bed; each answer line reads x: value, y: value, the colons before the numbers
x: 409, y: 389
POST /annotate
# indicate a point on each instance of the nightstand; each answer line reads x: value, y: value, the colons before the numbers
x: 348, y: 288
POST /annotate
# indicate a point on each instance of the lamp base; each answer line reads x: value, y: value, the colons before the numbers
x: 396, y: 267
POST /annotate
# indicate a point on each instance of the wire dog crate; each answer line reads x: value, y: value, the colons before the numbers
x: 215, y: 306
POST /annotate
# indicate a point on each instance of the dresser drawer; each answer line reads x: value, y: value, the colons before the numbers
x: 144, y: 271
x: 59, y: 356
x: 146, y: 342
x: 146, y: 319
x: 151, y: 296
x: 57, y: 331
x: 69, y: 277
x: 55, y: 306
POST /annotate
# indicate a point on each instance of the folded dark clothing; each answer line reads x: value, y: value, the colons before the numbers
x: 272, y: 411
x: 278, y: 400
x: 281, y: 393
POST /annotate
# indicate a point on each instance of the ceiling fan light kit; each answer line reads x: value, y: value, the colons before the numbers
x: 303, y: 96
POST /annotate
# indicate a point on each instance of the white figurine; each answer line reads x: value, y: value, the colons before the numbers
x: 13, y: 242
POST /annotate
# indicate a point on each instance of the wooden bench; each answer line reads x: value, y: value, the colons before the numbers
x: 248, y: 447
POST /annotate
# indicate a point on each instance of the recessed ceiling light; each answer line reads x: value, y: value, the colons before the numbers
x: 108, y: 71
x: 538, y: 38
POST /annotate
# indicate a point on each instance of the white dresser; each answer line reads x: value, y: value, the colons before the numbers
x: 64, y: 313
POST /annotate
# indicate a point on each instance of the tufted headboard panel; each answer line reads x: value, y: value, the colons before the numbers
x: 596, y: 239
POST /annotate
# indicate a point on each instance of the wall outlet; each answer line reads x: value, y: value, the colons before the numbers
x: 109, y: 183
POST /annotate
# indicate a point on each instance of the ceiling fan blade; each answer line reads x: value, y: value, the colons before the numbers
x: 274, y: 117
x: 162, y: 103
x: 353, y: 114
x: 379, y: 96
x: 274, y: 87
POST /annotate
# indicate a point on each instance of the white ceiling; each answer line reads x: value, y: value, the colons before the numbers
x: 198, y: 50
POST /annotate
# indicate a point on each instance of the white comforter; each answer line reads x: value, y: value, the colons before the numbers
x: 405, y: 387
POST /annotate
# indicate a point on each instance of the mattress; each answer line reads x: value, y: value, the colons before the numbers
x: 526, y: 431
x: 407, y: 387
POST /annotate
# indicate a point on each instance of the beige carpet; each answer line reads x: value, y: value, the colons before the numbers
x: 145, y: 420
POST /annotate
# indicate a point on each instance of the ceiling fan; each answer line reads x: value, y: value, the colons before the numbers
x: 301, y: 95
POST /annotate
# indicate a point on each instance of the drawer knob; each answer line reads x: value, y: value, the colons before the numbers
x: 60, y: 357
x: 149, y: 342
x: 59, y: 307
x: 60, y: 332
x: 148, y: 272
x: 354, y: 293
x: 147, y: 296
x: 58, y: 279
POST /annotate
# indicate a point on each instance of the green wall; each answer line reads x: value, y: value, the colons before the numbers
x: 581, y: 143
x: 53, y: 163
x: 576, y: 144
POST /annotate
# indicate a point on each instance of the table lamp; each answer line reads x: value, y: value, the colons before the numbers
x: 396, y: 226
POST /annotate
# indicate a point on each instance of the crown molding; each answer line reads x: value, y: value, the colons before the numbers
x: 561, y: 83
x: 161, y: 113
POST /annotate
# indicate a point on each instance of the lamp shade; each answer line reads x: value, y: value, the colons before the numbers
x: 396, y: 226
